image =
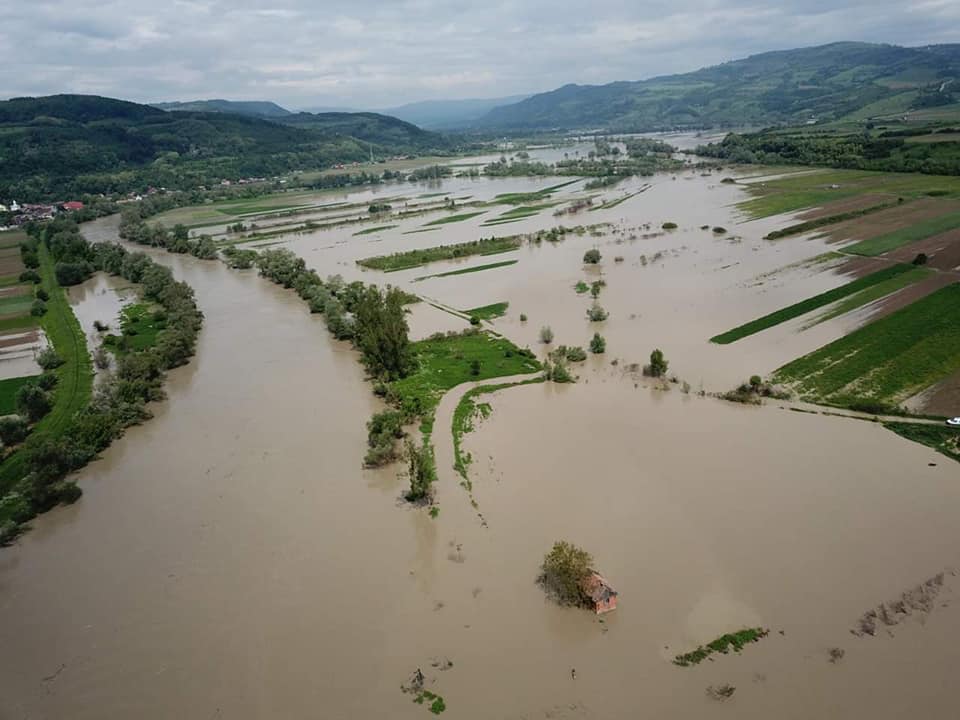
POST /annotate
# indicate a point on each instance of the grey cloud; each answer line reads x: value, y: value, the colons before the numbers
x: 377, y: 53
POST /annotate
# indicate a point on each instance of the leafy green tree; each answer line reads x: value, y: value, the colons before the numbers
x: 381, y: 333
x: 32, y: 402
x: 563, y: 570
x: 658, y: 363
x: 597, y: 344
x: 423, y: 472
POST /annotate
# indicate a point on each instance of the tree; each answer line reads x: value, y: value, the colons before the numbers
x: 592, y: 256
x: 595, y: 288
x: 423, y: 472
x: 13, y: 429
x: 564, y: 568
x: 32, y: 402
x: 381, y: 333
x: 658, y: 363
x: 596, y: 313
x: 48, y: 359
x: 546, y: 335
x: 598, y: 345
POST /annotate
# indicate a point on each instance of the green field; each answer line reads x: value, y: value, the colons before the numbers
x: 488, y: 312
x: 416, y: 258
x: 464, y: 271
x: 898, y: 238
x: 886, y: 361
x: 875, y: 292
x: 799, y: 191
x: 454, y: 218
x: 943, y: 439
x: 140, y: 324
x: 8, y: 393
x: 812, y: 303
x: 445, y: 362
x: 75, y: 375
x: 16, y: 304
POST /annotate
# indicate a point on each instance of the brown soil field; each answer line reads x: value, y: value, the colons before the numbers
x: 19, y: 337
x: 911, y: 294
x: 846, y: 205
x: 943, y: 251
x: 895, y: 218
x: 943, y: 398
x: 10, y: 264
x: 14, y: 291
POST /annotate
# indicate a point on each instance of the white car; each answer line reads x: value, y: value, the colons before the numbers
x: 954, y: 422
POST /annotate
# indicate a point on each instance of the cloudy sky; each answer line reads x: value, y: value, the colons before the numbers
x: 383, y: 53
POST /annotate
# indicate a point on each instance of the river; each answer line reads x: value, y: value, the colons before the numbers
x: 231, y: 559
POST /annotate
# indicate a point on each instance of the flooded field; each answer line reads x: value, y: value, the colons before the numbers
x: 231, y: 558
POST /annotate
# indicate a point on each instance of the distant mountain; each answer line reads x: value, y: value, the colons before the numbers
x: 238, y: 107
x: 449, y: 114
x: 823, y: 83
x: 73, y: 144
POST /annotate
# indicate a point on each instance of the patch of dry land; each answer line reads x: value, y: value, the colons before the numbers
x: 233, y: 559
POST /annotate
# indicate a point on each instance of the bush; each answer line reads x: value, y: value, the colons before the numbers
x: 31, y: 276
x: 47, y: 381
x: 39, y: 308
x: 13, y: 429
x: 48, y: 359
x: 474, y: 367
x: 546, y: 335
x: 598, y: 345
x: 100, y: 326
x: 576, y: 354
x: 756, y: 381
x: 920, y: 259
x: 422, y: 470
x: 523, y: 318
x: 719, y: 230
x: 669, y: 226
x: 563, y: 570
x: 474, y: 320
x: 596, y: 313
x: 42, y: 294
x: 658, y: 364
x: 591, y: 257
x: 595, y: 288
x: 32, y: 402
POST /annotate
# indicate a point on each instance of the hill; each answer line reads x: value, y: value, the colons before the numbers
x: 52, y: 147
x: 238, y: 107
x: 449, y: 114
x: 793, y: 86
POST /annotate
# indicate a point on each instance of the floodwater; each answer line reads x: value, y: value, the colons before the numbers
x: 231, y: 559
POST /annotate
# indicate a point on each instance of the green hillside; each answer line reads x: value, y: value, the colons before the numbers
x: 785, y: 87
x: 62, y: 145
x: 237, y: 107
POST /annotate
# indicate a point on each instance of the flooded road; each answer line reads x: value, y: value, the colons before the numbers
x: 231, y: 559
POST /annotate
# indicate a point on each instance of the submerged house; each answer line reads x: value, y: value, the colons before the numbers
x: 598, y: 590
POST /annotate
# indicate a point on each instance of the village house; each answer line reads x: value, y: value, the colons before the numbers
x: 598, y: 590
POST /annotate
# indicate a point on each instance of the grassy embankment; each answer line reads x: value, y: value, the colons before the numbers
x: 943, y: 439
x: 454, y: 218
x: 465, y: 414
x: 368, y: 231
x: 415, y: 258
x: 74, y: 376
x: 881, y: 278
x: 887, y: 361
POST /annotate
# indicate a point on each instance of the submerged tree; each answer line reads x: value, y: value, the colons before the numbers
x: 658, y: 364
x: 423, y: 472
x: 563, y: 571
x: 381, y: 333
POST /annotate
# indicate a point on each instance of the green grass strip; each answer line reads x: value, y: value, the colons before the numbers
x: 368, y: 231
x: 454, y: 218
x: 21, y: 322
x: 416, y: 258
x: 887, y: 360
x: 881, y: 289
x: 904, y: 236
x: 463, y: 271
x: 488, y: 312
x: 8, y: 393
x: 75, y: 376
x: 809, y: 225
x: 805, y: 306
x: 723, y: 644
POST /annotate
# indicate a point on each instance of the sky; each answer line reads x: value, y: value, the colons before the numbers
x: 385, y: 53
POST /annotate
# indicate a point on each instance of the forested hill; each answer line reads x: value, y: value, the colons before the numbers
x: 52, y: 147
x: 823, y: 83
x: 238, y: 107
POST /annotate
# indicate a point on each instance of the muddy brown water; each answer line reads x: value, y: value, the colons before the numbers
x: 230, y: 558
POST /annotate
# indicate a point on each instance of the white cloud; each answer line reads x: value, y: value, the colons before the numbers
x: 377, y: 53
